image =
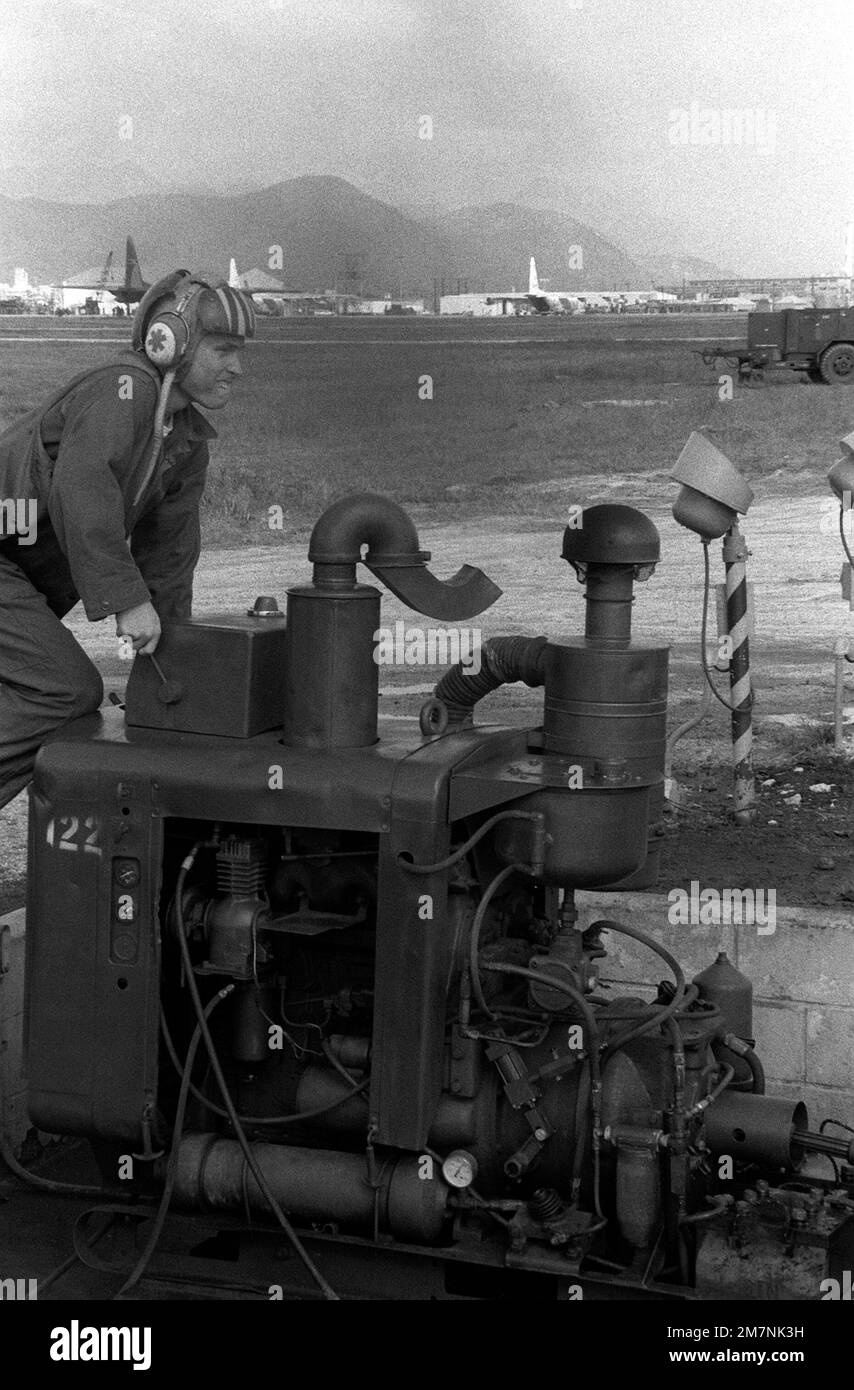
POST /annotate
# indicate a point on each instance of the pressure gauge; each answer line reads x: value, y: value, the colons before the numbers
x: 459, y: 1169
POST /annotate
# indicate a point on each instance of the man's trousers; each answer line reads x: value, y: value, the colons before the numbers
x: 45, y: 677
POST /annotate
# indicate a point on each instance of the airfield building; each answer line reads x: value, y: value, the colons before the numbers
x: 475, y: 305
x: 773, y: 288
x: 386, y: 306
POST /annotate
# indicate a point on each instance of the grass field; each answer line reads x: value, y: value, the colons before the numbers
x: 520, y: 410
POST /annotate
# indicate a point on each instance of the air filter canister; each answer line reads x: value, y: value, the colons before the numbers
x: 608, y: 703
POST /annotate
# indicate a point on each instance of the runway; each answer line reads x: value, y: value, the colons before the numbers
x: 541, y: 331
x: 360, y: 342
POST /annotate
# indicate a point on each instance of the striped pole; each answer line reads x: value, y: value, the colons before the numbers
x: 741, y: 699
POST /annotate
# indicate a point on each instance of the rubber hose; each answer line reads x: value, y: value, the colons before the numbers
x: 503, y: 660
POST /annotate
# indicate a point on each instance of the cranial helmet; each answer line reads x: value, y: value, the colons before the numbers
x: 176, y: 313
x: 170, y: 321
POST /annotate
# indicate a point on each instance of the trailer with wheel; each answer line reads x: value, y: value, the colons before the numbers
x: 819, y: 342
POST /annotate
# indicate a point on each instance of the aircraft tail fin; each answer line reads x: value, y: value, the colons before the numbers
x: 105, y: 273
x: 533, y: 282
x: 133, y: 274
x: 233, y: 277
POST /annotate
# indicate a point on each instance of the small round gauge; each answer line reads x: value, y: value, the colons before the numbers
x: 459, y: 1169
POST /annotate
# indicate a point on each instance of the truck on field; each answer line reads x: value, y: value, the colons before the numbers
x: 819, y: 342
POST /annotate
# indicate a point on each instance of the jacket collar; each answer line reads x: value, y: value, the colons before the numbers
x: 198, y: 425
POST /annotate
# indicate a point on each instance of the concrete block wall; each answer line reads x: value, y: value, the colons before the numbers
x: 803, y: 987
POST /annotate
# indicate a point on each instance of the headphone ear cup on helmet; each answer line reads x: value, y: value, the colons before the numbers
x: 154, y: 295
x: 166, y: 339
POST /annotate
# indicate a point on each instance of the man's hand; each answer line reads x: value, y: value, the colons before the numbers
x: 142, y: 625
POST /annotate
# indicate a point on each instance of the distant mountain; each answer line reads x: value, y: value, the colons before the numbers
x: 317, y: 232
x: 311, y: 232
x: 423, y: 212
x: 494, y: 245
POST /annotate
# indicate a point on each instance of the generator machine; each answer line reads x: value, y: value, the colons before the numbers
x: 320, y: 978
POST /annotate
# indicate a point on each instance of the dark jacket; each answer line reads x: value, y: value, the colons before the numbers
x: 104, y: 534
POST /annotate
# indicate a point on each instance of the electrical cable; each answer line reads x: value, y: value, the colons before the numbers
x: 733, y: 1043
x: 338, y: 1065
x: 835, y: 1166
x: 68, y: 1189
x: 652, y: 1256
x: 83, y: 1248
x: 582, y: 1100
x: 684, y: 728
x: 668, y: 1010
x: 463, y: 849
x: 640, y: 1015
x: 838, y: 1124
x: 691, y: 994
x: 267, y: 1120
x: 56, y: 1274
x: 722, y: 1202
x: 157, y: 436
x: 556, y: 982
x: 701, y: 1105
x: 326, y: 1289
x: 84, y: 1253
x: 703, y: 626
x: 514, y: 1039
x: 474, y: 935
x: 172, y: 1164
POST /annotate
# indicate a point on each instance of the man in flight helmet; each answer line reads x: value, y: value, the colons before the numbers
x: 99, y: 502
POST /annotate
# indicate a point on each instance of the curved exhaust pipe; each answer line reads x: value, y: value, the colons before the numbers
x: 394, y: 556
x: 331, y: 677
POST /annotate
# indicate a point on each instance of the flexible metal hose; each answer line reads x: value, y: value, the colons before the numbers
x: 503, y: 660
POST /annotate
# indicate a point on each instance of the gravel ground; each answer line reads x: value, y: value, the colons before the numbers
x: 795, y: 564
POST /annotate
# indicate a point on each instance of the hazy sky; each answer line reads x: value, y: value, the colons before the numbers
x: 592, y: 107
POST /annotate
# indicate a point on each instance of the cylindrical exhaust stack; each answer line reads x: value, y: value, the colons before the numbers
x: 332, y: 679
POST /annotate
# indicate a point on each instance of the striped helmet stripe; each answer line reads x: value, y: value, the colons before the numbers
x: 230, y: 316
x: 241, y: 315
x: 224, y: 310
